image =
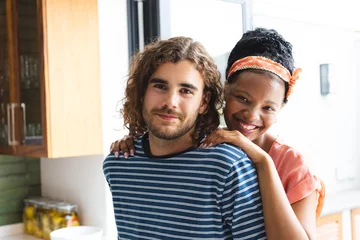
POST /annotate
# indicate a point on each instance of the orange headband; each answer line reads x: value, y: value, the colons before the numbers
x: 263, y: 63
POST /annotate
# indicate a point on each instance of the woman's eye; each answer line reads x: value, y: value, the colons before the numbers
x: 244, y: 99
x: 269, y: 108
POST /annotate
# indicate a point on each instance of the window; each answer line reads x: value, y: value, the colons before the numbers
x: 143, y: 23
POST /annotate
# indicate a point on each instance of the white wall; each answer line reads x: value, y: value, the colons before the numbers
x: 77, y: 180
x: 324, y: 128
x: 204, y: 22
x: 80, y: 180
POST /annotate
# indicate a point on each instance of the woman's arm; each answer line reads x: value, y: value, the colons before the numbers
x: 282, y: 220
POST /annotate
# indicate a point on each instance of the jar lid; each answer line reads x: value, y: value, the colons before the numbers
x: 52, y: 203
x: 31, y: 198
x: 66, y: 207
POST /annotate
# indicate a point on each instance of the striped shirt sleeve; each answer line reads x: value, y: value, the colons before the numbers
x: 241, y: 202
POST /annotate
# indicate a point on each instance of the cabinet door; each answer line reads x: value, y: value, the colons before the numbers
x: 23, y: 85
x: 48, y: 64
x: 7, y: 114
x: 30, y: 71
x: 30, y: 62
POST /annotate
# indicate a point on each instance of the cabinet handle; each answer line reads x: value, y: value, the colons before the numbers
x: 11, y: 123
x: 23, y: 106
x: 12, y: 107
x: 8, y: 123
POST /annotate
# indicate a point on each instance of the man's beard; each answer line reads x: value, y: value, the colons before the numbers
x: 166, y: 134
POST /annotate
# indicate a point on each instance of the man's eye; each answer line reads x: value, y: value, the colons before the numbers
x: 186, y: 91
x: 160, y: 86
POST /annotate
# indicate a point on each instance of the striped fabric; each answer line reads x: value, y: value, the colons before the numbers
x: 209, y: 193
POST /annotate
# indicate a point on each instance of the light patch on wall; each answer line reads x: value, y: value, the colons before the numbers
x: 327, y: 79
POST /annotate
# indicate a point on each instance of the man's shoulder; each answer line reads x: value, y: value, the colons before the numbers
x: 230, y: 149
x: 111, y: 160
x: 229, y: 153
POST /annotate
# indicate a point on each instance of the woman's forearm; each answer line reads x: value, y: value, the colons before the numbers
x: 280, y: 219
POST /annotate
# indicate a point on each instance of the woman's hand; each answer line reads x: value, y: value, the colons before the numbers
x: 126, y: 145
x: 254, y: 152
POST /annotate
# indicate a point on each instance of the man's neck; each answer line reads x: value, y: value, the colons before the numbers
x: 162, y: 147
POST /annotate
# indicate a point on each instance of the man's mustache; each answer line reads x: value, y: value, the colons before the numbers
x: 166, y: 110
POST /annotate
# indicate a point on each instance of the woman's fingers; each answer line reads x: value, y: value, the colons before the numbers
x: 219, y: 136
x: 130, y: 145
x: 126, y: 145
x: 116, y: 148
x: 210, y: 141
x: 124, y: 148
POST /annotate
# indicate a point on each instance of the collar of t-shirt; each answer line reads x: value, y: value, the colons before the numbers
x: 146, y: 147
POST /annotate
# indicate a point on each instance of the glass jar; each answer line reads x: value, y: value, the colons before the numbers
x: 46, y: 218
x: 66, y: 216
x: 29, y: 220
x: 40, y: 211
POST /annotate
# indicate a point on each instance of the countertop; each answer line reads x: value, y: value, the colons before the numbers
x: 15, y: 232
x: 19, y: 237
x: 24, y: 237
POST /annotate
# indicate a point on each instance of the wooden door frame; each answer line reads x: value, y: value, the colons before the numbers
x: 14, y: 73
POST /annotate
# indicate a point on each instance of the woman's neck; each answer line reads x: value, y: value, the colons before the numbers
x: 265, y: 141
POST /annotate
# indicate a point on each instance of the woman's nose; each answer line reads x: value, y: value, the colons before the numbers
x: 251, y: 114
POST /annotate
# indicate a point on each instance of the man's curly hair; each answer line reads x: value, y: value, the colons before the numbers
x: 265, y: 43
x: 145, y: 63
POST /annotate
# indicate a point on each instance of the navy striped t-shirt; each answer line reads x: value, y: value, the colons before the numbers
x: 209, y: 193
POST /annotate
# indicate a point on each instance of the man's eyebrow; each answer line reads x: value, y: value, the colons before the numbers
x: 188, y: 85
x: 158, y: 80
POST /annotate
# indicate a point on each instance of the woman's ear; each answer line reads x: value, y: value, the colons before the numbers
x: 205, y: 102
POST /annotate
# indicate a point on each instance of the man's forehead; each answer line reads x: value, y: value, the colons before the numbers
x: 181, y: 72
x: 181, y: 84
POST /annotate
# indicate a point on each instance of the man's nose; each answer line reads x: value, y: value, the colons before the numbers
x: 171, y: 99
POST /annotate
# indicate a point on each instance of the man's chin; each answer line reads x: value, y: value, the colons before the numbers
x: 166, y: 135
x: 169, y: 134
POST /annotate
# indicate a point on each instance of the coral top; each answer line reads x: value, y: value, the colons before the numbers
x: 295, y: 175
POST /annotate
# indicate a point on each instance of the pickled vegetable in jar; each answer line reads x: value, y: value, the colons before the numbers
x: 47, y: 218
x: 29, y: 220
x: 65, y: 216
x: 40, y: 211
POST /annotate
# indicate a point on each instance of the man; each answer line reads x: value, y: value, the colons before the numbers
x: 170, y: 189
